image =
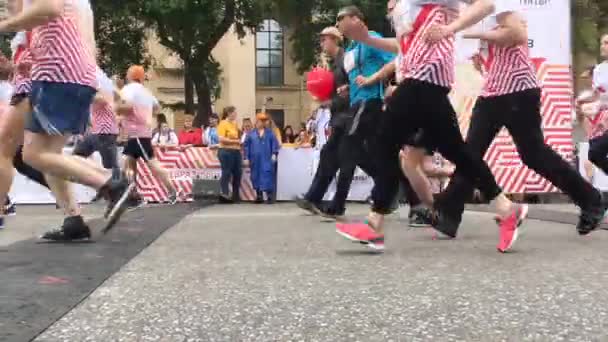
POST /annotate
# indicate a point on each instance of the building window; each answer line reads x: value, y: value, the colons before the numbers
x: 269, y: 54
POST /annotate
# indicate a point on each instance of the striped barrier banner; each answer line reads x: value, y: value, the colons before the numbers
x: 184, y: 166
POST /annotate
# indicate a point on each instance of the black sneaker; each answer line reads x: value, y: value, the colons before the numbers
x: 135, y: 203
x: 307, y: 205
x: 420, y: 217
x: 116, y: 192
x: 259, y: 198
x: 332, y: 214
x: 445, y: 225
x: 225, y: 199
x: 592, y: 217
x: 11, y: 209
x: 269, y: 198
x: 73, y: 229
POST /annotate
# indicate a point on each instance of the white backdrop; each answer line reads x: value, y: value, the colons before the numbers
x: 296, y: 169
x: 29, y: 192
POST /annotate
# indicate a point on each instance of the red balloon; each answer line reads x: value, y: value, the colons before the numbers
x: 320, y: 83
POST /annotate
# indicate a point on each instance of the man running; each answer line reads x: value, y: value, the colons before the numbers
x: 138, y: 106
x: 421, y: 102
x: 511, y: 98
x: 103, y: 133
x: 63, y: 87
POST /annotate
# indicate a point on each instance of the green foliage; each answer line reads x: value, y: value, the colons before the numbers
x: 120, y: 36
x: 5, y: 44
x: 192, y: 28
x: 307, y: 18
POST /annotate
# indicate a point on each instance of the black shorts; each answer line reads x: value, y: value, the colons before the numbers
x: 139, y: 148
x: 18, y: 98
x: 420, y: 140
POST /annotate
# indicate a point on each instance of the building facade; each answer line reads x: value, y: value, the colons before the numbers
x: 256, y: 70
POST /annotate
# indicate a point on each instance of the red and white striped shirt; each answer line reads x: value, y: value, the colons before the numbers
x: 22, y: 60
x: 507, y: 70
x: 433, y: 63
x: 103, y: 120
x: 59, y: 49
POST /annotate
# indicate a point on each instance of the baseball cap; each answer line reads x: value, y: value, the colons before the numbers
x: 332, y: 32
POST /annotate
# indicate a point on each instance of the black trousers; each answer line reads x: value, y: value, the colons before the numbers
x: 520, y: 114
x: 344, y: 152
x: 105, y: 144
x: 419, y: 105
x: 598, y: 152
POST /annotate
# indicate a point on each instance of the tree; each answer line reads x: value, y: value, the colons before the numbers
x: 120, y: 36
x: 192, y: 28
x: 307, y: 18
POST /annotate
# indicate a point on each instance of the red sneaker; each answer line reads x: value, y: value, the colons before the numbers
x: 362, y: 233
x: 509, y: 228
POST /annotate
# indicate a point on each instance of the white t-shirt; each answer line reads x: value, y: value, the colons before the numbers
x: 140, y: 121
x: 600, y: 82
x: 321, y: 124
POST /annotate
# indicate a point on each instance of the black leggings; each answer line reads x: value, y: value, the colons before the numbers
x: 598, y: 152
x: 520, y: 114
x: 419, y: 105
x: 27, y: 170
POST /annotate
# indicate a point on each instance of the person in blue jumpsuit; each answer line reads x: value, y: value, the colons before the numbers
x: 261, y: 149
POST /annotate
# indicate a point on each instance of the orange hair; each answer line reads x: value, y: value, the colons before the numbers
x: 136, y: 73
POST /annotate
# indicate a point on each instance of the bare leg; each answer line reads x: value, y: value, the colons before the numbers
x: 11, y: 136
x: 411, y: 162
x: 45, y: 153
x: 63, y: 195
x: 162, y: 174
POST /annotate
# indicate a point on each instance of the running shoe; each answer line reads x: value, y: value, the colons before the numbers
x: 332, y: 214
x: 362, y: 233
x: 510, y: 228
x: 11, y: 209
x: 445, y: 225
x: 73, y: 229
x: 420, y: 217
x: 135, y: 203
x: 174, y: 196
x: 308, y: 206
x: 592, y: 217
x: 1, y: 222
x: 117, y: 193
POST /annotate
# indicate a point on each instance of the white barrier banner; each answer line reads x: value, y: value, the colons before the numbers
x: 296, y: 169
x: 26, y: 191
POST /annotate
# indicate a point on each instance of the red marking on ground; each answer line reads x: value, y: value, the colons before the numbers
x: 50, y: 280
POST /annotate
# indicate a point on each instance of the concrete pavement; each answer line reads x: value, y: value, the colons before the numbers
x: 269, y: 273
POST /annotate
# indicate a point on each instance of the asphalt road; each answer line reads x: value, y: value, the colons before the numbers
x: 269, y: 273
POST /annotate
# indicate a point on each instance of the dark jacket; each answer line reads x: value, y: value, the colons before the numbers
x: 339, y: 104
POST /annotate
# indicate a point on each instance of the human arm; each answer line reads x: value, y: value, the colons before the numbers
x: 511, y: 31
x: 387, y: 70
x: 222, y: 133
x: 156, y: 139
x: 474, y: 13
x: 361, y: 33
x: 39, y: 12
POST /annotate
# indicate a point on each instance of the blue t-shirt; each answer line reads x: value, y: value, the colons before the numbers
x: 361, y: 59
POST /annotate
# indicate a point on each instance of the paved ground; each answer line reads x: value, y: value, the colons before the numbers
x: 268, y: 273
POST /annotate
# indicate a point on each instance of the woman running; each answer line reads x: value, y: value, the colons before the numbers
x: 421, y: 102
x: 511, y: 98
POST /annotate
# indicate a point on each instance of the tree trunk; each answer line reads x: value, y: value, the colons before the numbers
x: 203, y: 96
x: 188, y: 88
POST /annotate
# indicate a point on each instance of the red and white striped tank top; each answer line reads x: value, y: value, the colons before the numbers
x: 59, y: 49
x: 508, y: 70
x: 103, y: 120
x: 22, y: 60
x: 433, y: 63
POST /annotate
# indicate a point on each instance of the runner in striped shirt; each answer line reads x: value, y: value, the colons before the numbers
x: 104, y: 128
x: 63, y: 86
x: 138, y: 107
x: 14, y: 114
x: 421, y: 102
x: 511, y: 98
